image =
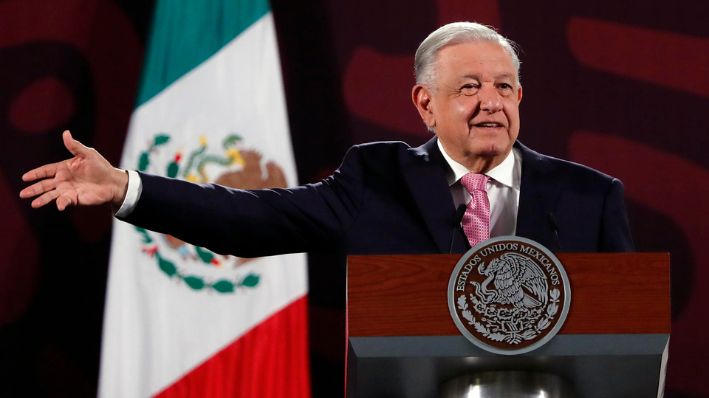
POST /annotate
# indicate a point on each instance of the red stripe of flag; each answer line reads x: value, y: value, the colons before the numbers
x: 269, y: 361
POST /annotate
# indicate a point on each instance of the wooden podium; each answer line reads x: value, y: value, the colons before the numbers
x: 402, y: 341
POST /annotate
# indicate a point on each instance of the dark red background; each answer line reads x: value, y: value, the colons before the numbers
x: 621, y: 87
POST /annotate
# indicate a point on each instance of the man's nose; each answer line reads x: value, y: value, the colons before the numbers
x: 490, y: 100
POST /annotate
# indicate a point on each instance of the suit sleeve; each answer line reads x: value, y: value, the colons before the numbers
x: 615, y: 229
x: 251, y: 223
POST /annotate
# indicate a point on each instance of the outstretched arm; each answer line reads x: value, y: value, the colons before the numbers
x: 86, y: 179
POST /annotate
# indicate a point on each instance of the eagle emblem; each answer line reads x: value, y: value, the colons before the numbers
x: 516, y: 279
x: 228, y: 164
x: 509, y: 295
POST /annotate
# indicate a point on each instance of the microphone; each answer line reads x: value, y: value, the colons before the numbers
x: 457, y: 218
x: 555, y: 229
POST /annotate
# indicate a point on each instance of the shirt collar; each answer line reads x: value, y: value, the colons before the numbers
x: 506, y: 173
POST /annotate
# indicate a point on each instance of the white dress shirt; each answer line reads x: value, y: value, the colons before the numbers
x: 502, y: 190
x: 135, y: 187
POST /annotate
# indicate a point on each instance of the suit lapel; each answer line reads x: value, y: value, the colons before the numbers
x: 538, y: 197
x: 424, y: 173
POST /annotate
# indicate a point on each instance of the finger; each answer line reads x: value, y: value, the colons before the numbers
x: 46, y: 171
x: 64, y: 201
x: 74, y: 146
x: 38, y: 188
x: 45, y: 198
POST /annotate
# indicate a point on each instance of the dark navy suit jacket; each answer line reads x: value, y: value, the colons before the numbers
x: 386, y: 197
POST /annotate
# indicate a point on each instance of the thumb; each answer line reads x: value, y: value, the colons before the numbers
x: 72, y: 145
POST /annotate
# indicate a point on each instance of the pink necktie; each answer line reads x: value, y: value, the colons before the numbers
x: 476, y: 220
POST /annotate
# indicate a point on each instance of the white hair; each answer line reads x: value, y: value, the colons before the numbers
x: 456, y: 33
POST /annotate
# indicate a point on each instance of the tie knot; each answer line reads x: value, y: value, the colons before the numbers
x: 474, y: 182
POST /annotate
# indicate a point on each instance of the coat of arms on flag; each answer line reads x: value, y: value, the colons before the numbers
x: 230, y: 165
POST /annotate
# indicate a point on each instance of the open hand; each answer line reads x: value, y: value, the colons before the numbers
x: 83, y: 180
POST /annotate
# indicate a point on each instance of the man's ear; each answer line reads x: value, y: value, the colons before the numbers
x: 421, y: 96
x: 519, y: 94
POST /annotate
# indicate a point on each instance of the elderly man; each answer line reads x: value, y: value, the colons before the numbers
x: 471, y: 181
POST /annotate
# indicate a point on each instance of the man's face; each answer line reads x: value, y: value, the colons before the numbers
x: 473, y: 104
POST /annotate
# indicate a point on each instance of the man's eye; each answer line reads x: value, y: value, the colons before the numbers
x: 505, y: 86
x: 469, y: 89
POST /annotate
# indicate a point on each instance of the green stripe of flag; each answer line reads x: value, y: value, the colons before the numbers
x: 187, y: 32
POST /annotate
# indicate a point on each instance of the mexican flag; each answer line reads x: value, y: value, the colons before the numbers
x: 182, y: 320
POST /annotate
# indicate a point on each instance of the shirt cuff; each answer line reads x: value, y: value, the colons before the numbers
x: 135, y: 188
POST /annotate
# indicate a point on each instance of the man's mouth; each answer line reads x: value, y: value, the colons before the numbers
x: 488, y: 125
